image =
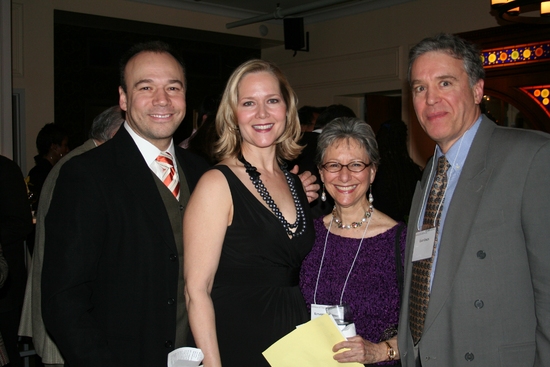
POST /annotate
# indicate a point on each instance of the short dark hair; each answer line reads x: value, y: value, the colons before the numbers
x: 332, y: 112
x: 209, y: 107
x: 106, y: 123
x: 48, y: 135
x: 151, y: 46
x: 306, y: 114
x: 454, y: 46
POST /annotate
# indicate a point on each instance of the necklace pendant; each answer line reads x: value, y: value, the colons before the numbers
x: 353, y: 225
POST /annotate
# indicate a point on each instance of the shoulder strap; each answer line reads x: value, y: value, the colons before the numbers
x: 398, y: 266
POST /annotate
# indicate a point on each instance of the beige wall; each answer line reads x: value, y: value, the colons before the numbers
x: 36, y: 47
x: 368, y: 53
x: 348, y: 57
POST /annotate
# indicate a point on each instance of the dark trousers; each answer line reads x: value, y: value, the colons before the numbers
x: 9, y: 325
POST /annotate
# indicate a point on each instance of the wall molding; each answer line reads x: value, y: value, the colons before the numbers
x: 6, y: 143
x: 17, y: 39
x: 369, y: 67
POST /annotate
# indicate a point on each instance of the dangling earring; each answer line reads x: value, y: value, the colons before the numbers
x: 371, y: 199
x: 323, y: 195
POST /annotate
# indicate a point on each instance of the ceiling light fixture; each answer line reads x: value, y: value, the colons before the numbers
x: 522, y: 11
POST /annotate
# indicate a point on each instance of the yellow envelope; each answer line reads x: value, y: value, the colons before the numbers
x: 310, y: 345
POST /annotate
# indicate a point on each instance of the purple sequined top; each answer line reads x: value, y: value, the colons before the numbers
x: 372, y: 289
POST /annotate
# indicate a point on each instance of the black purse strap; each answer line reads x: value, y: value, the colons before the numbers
x: 398, y: 266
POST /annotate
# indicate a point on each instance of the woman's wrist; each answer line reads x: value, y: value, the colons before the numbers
x: 379, y: 353
x: 391, y: 353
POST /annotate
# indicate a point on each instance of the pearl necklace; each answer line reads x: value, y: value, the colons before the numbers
x: 259, y: 185
x: 339, y: 223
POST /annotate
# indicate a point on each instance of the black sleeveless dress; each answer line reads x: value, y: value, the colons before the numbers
x: 256, y: 295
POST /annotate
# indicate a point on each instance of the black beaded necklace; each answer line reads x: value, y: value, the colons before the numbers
x: 259, y: 185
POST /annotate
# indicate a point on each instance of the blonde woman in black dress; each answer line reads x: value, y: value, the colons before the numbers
x: 247, y: 227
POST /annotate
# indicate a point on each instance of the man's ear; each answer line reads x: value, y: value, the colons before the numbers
x: 478, y: 91
x: 123, y: 100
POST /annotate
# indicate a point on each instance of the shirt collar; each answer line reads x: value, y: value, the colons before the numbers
x: 456, y: 155
x: 148, y: 150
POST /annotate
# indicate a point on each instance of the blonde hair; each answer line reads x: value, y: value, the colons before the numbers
x: 229, y: 143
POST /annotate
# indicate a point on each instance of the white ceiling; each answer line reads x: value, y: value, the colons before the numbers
x: 243, y: 9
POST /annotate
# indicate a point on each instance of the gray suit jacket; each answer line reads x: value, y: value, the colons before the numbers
x: 31, y: 318
x: 490, y: 297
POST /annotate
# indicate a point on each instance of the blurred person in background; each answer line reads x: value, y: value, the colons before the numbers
x: 397, y: 175
x: 52, y: 143
x: 15, y: 226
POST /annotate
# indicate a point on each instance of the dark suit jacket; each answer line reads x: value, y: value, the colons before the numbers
x: 31, y: 316
x: 306, y: 162
x: 110, y: 272
x: 306, y: 159
x: 490, y: 297
x: 15, y: 225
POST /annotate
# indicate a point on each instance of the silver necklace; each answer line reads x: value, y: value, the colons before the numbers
x: 358, y: 224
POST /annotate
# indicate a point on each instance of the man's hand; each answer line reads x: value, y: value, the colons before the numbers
x: 308, y: 182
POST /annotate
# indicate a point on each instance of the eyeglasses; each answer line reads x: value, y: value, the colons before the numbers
x: 334, y: 167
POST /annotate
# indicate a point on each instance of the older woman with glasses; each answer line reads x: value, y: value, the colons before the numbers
x: 353, y: 263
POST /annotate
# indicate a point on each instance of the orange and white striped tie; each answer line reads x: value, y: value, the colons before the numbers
x: 169, y: 177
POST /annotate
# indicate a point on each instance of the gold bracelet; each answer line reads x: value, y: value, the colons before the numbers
x: 391, y: 352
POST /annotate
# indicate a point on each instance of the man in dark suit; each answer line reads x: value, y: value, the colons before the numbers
x: 488, y: 283
x: 112, y: 275
x: 104, y: 127
x: 15, y: 225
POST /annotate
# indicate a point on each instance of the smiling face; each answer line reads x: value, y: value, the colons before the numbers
x: 155, y: 97
x: 445, y: 103
x: 261, y: 110
x: 345, y: 187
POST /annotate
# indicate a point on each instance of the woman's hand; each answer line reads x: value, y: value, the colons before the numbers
x: 361, y: 351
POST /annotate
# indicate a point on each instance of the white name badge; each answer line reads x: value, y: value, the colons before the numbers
x: 423, y: 244
x: 318, y: 310
x: 347, y: 330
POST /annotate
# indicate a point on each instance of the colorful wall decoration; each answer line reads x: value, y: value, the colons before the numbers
x: 541, y: 95
x: 514, y: 55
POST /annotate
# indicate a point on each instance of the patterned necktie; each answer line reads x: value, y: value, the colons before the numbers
x: 169, y: 177
x: 422, y: 269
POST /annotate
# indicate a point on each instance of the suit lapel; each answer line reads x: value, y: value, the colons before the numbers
x: 460, y: 217
x: 138, y: 180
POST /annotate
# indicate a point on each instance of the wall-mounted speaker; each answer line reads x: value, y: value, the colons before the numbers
x: 294, y: 33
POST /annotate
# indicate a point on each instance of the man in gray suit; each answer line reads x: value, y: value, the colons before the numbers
x: 488, y: 283
x: 104, y: 127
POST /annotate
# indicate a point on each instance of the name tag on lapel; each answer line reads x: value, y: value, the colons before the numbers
x: 423, y: 244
